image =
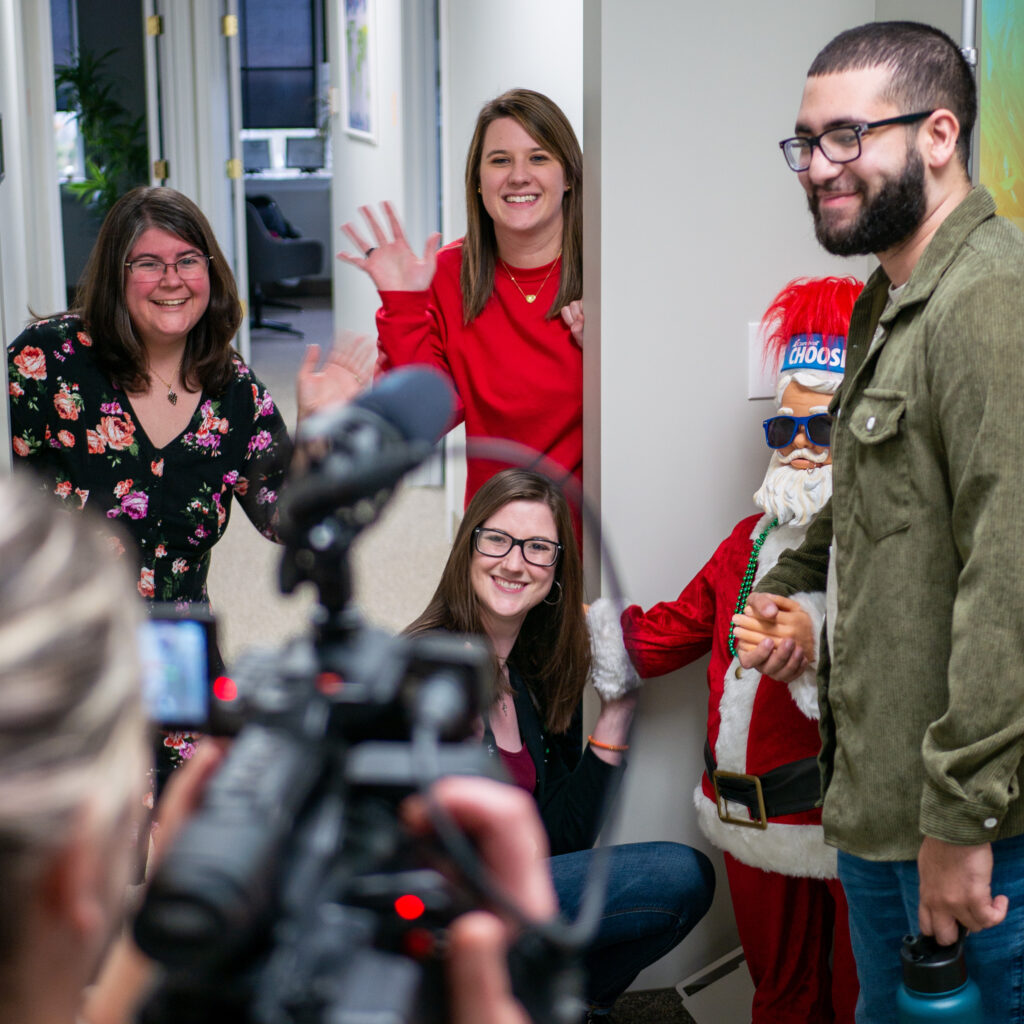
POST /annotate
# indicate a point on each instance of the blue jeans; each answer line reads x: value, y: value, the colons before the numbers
x: 883, y: 899
x: 656, y: 893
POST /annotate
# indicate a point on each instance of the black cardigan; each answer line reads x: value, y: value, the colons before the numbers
x: 572, y: 791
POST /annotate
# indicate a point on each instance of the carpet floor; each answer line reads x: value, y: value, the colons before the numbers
x: 656, y: 1006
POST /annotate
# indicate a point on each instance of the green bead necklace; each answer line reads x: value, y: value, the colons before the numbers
x: 748, y: 581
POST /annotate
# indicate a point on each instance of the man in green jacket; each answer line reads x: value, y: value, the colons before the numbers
x: 922, y: 673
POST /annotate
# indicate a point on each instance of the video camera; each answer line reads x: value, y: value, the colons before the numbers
x: 294, y: 895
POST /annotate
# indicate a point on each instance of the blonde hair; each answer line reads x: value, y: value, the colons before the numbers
x: 71, y: 726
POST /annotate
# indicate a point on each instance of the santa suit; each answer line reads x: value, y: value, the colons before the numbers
x: 783, y: 877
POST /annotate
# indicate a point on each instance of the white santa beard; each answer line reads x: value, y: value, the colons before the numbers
x: 793, y: 495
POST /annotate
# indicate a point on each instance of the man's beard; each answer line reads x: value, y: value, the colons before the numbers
x: 794, y: 495
x: 892, y: 216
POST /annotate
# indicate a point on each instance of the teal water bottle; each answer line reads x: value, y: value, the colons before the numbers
x: 936, y: 987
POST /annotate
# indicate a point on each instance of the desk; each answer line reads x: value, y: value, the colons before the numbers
x: 305, y: 202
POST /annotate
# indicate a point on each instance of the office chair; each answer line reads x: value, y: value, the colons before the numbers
x: 275, y: 259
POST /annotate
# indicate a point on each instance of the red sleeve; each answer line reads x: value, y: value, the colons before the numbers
x: 671, y: 634
x: 413, y: 327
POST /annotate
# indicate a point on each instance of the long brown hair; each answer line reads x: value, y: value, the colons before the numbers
x: 542, y: 119
x: 552, y: 650
x: 100, y: 300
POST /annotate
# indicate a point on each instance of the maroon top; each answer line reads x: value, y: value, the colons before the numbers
x: 520, y: 767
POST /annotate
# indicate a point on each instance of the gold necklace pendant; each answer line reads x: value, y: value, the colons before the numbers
x: 533, y: 297
x: 172, y: 395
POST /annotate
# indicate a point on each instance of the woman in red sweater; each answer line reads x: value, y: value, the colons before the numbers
x: 499, y: 310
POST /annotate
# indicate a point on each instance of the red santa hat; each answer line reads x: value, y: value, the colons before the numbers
x: 805, y: 332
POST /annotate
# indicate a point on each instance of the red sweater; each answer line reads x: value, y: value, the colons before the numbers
x: 519, y: 376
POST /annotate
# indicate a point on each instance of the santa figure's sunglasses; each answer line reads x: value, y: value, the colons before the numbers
x: 779, y: 431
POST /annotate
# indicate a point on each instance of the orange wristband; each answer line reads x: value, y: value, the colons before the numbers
x: 618, y: 748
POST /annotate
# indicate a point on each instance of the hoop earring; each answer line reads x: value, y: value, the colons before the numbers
x: 557, y: 599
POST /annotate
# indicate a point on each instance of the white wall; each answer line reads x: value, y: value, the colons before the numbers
x: 367, y: 173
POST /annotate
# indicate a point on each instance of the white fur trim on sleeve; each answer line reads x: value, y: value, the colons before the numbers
x: 612, y: 672
x: 804, y: 689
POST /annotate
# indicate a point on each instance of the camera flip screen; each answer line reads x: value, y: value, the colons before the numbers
x: 175, y: 664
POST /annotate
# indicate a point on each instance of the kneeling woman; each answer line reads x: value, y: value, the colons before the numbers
x: 514, y: 576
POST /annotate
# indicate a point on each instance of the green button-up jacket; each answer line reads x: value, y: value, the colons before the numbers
x: 923, y: 703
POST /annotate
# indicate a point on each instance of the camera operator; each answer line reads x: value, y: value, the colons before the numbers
x: 73, y: 759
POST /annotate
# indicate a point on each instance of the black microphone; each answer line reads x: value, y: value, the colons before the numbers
x: 361, y: 449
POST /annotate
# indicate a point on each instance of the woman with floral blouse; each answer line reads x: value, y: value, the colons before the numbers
x: 135, y: 403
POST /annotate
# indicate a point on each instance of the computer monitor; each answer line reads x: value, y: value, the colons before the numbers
x: 305, y: 153
x: 255, y: 155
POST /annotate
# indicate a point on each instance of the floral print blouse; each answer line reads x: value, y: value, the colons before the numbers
x: 78, y: 430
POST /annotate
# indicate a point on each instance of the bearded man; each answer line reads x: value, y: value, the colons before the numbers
x: 919, y: 550
x: 756, y: 801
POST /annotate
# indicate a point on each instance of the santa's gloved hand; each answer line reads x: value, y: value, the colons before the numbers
x: 612, y: 672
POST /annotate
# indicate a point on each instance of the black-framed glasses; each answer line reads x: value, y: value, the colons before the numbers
x: 497, y: 543
x: 838, y: 145
x: 190, y: 268
x: 780, y: 431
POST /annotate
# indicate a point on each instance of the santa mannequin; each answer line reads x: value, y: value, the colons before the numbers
x: 756, y: 800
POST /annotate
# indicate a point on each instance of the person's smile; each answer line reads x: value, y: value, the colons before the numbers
x: 508, y: 586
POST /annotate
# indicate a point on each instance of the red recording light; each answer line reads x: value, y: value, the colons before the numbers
x: 329, y: 683
x: 224, y: 688
x: 409, y: 907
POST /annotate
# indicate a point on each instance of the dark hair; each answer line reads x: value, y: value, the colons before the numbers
x: 553, y: 647
x: 542, y: 119
x: 100, y: 300
x: 928, y: 69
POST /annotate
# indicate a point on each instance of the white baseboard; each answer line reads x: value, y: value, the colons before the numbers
x: 721, y: 993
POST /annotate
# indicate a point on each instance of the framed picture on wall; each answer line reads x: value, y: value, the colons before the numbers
x: 359, y: 85
x: 1001, y: 103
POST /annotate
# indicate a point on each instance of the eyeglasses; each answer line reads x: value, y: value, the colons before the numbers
x: 838, y: 145
x: 189, y: 268
x: 497, y: 544
x: 780, y: 431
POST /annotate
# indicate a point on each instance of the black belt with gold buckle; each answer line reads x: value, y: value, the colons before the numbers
x: 788, y: 789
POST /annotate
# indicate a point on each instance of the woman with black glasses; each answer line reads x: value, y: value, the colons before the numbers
x: 514, y: 577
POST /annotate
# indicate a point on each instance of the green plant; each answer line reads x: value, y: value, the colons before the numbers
x: 116, y: 154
